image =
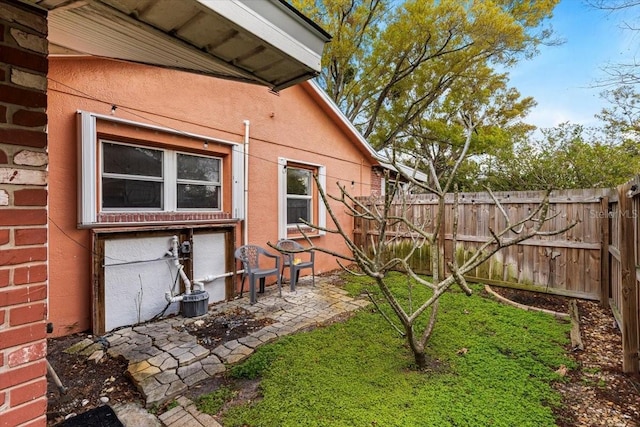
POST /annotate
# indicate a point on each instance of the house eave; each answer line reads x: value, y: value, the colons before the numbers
x: 265, y: 42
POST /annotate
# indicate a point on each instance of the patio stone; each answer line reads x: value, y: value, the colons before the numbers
x: 177, y: 351
x: 212, y: 365
x: 238, y: 354
x: 165, y: 359
x: 175, y: 388
x: 250, y: 341
x: 156, y: 395
x: 170, y: 415
x: 167, y: 377
x: 96, y: 355
x: 169, y: 363
x: 189, y: 370
x: 159, y: 359
x: 197, y: 377
x: 221, y: 351
x: 145, y: 373
x: 89, y: 350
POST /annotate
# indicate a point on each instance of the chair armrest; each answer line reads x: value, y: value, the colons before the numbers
x: 270, y: 255
x: 276, y: 257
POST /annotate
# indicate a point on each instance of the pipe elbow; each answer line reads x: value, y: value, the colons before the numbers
x: 170, y: 299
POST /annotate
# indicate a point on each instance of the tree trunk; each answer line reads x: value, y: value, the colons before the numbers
x: 416, y: 348
x: 421, y: 359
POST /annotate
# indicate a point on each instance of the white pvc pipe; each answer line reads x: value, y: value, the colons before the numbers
x: 199, y: 283
x: 183, y: 275
x: 180, y: 267
x: 246, y: 182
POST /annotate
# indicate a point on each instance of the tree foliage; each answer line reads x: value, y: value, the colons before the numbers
x: 389, y: 62
x: 494, y: 109
x: 622, y: 118
x: 567, y: 156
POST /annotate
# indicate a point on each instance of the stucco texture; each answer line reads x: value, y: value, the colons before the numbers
x: 293, y: 124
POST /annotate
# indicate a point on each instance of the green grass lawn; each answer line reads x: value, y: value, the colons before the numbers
x: 360, y: 372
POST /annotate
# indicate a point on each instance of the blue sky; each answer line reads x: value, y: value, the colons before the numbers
x: 562, y: 78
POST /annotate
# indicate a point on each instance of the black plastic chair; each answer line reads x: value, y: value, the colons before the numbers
x: 295, y: 261
x: 251, y: 256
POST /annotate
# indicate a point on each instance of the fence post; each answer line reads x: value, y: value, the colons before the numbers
x: 629, y: 306
x: 605, y: 274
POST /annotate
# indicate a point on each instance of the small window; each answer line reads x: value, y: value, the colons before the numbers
x: 299, y: 196
x: 162, y: 179
x: 132, y: 177
x: 299, y: 199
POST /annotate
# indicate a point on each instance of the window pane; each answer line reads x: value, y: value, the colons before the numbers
x: 298, y: 181
x: 129, y: 160
x: 298, y: 208
x: 198, y: 196
x: 198, y: 168
x: 129, y: 193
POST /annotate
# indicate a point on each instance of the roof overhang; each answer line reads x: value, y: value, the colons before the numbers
x: 267, y: 42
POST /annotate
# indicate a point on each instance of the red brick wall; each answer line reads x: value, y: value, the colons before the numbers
x: 23, y: 215
x: 376, y: 181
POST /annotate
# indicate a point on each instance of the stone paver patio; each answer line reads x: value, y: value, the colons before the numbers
x: 164, y: 361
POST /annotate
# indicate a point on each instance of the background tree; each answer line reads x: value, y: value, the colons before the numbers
x: 390, y: 61
x: 496, y: 112
x: 567, y: 156
x: 622, y: 118
x: 624, y: 73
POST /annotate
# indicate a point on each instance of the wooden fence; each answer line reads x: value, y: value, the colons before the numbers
x: 623, y: 268
x: 567, y: 264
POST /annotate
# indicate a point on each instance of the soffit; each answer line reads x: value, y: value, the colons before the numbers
x: 258, y: 41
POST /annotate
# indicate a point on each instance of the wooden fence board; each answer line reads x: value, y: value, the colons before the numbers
x: 628, y: 301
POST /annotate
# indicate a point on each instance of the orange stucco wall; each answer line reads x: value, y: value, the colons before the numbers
x: 290, y: 124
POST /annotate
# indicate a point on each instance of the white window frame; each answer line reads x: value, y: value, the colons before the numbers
x: 169, y: 180
x: 315, y: 197
x: 90, y: 172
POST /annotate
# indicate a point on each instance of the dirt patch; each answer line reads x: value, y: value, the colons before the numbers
x: 85, y: 381
x: 229, y: 326
x: 551, y: 302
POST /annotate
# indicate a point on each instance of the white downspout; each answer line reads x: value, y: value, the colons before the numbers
x: 246, y: 183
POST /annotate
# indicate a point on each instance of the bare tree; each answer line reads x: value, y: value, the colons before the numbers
x: 389, y: 216
x: 623, y: 73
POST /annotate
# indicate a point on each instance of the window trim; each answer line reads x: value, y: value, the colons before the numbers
x: 320, y: 209
x: 179, y: 181
x: 89, y: 168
